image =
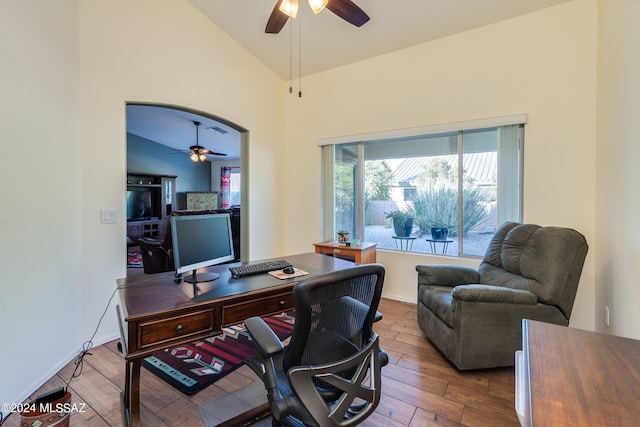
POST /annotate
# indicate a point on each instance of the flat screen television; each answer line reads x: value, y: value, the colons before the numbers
x: 139, y: 204
x: 201, y: 241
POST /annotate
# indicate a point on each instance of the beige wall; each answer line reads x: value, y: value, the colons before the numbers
x: 68, y: 68
x: 618, y: 201
x: 40, y: 240
x: 541, y: 64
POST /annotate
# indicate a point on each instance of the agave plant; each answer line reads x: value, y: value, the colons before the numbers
x: 438, y: 208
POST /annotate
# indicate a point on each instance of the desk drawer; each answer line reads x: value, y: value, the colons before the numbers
x: 335, y: 251
x: 156, y: 332
x: 259, y: 307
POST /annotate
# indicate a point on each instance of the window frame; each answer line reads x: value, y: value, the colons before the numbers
x: 328, y: 159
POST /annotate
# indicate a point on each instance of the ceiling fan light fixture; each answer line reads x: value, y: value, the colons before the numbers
x: 194, y: 157
x: 317, y: 5
x: 289, y: 8
x: 202, y: 157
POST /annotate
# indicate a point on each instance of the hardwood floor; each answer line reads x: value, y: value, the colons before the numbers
x: 420, y: 387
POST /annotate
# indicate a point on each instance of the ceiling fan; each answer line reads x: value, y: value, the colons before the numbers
x: 198, y: 152
x: 345, y: 9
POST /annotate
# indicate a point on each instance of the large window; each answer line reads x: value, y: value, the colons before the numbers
x: 235, y: 185
x: 446, y: 191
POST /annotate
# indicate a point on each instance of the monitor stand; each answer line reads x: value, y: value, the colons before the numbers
x: 199, y: 278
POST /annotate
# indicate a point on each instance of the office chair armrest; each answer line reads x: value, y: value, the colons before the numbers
x: 489, y: 293
x: 265, y: 339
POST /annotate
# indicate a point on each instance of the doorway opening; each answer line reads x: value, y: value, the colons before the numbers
x: 163, y: 177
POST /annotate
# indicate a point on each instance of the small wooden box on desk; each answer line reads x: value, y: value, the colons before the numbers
x: 362, y: 253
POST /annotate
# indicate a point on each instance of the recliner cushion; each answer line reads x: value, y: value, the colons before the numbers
x: 490, y: 293
x: 438, y: 300
x: 542, y: 260
x: 493, y: 255
x: 516, y: 243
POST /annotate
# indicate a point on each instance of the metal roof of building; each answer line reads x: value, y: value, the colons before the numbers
x: 480, y: 167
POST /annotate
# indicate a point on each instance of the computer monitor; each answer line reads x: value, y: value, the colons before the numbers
x: 201, y: 241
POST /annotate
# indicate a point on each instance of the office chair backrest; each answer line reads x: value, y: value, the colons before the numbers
x: 334, y: 315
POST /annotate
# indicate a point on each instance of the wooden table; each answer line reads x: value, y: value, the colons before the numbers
x: 571, y: 377
x: 362, y: 253
x: 156, y: 312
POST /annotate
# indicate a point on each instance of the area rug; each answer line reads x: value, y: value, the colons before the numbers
x: 194, y: 366
x: 134, y: 258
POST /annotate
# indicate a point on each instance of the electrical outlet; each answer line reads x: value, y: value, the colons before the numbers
x: 606, y: 316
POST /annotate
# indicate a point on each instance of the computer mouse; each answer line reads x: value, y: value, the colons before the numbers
x: 288, y: 270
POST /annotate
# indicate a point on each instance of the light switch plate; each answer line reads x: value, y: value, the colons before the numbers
x: 108, y: 216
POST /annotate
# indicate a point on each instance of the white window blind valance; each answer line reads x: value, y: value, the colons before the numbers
x: 517, y: 119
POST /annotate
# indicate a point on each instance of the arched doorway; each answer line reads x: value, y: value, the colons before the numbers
x: 158, y: 140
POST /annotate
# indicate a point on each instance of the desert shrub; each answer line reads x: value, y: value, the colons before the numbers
x: 438, y: 207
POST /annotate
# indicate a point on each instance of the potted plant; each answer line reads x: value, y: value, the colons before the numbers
x: 343, y: 236
x: 402, y: 222
x: 439, y: 233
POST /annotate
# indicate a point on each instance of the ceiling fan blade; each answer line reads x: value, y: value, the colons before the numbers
x: 199, y: 149
x: 213, y: 153
x: 276, y: 20
x: 349, y: 11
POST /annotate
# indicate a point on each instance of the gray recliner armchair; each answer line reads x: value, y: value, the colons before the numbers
x: 474, y: 317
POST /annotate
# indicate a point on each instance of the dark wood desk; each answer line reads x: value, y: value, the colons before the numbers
x: 573, y: 377
x: 156, y: 312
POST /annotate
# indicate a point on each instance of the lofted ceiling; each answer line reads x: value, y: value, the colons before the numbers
x: 327, y: 42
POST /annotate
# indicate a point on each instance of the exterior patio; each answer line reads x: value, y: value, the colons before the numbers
x: 475, y: 243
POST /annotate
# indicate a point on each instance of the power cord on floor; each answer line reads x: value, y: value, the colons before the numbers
x: 79, y: 361
x: 88, y: 345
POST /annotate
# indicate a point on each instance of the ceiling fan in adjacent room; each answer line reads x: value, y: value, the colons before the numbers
x: 345, y: 9
x: 198, y: 152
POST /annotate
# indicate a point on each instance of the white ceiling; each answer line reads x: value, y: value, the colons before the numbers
x: 175, y: 129
x: 327, y: 42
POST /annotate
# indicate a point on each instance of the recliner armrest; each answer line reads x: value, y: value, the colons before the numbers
x: 489, y: 293
x: 265, y: 339
x: 446, y: 275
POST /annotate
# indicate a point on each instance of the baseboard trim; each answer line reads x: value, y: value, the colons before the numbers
x: 400, y: 299
x: 25, y: 394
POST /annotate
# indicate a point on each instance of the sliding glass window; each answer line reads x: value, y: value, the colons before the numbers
x: 443, y: 193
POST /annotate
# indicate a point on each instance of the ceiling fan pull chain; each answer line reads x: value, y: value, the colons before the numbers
x: 300, y: 59
x: 291, y: 58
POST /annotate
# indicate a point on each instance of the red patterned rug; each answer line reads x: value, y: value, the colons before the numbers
x: 194, y: 366
x: 134, y: 258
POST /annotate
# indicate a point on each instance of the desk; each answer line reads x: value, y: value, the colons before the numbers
x: 362, y: 253
x: 571, y: 377
x: 156, y: 312
x: 445, y: 244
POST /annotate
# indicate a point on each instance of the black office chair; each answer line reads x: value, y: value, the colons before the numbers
x: 329, y: 374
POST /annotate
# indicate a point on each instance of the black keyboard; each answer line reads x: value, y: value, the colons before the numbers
x: 258, y: 268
